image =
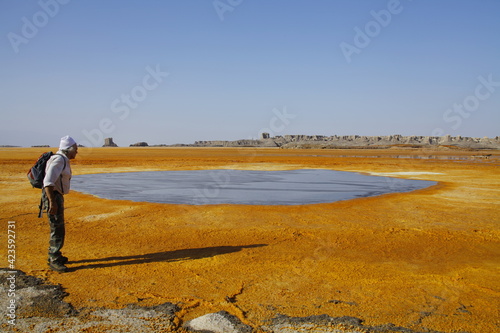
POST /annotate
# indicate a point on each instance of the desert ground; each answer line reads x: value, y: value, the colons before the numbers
x: 424, y: 260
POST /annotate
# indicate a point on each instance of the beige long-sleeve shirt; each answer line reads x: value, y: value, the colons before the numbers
x: 56, y: 174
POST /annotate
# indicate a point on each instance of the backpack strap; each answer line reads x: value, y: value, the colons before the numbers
x: 60, y: 178
x: 64, y: 159
x: 40, y: 207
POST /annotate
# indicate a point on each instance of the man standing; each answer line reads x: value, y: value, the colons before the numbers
x: 55, y: 184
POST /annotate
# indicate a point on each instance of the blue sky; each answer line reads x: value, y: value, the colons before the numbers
x: 184, y: 70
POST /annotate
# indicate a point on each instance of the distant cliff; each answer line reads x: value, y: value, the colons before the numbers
x: 355, y: 141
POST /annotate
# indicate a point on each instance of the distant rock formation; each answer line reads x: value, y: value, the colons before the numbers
x: 397, y: 140
x: 139, y: 144
x: 108, y: 142
x: 354, y: 141
x: 237, y: 143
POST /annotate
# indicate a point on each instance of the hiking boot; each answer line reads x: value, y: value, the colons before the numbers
x: 58, y: 266
x: 62, y: 259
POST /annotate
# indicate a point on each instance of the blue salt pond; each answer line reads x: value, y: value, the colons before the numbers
x: 246, y: 187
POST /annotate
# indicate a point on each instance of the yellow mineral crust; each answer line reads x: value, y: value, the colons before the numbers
x: 428, y: 259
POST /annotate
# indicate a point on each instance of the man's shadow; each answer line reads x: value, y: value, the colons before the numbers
x: 167, y: 256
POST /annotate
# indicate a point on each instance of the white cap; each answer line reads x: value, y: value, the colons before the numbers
x: 66, y: 142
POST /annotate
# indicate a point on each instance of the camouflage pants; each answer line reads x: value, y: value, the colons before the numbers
x: 56, y: 222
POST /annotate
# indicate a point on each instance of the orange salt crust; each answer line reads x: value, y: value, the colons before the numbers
x: 427, y: 259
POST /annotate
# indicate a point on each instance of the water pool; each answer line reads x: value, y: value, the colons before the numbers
x: 247, y: 187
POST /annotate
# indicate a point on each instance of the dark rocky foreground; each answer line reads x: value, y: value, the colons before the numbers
x: 40, y: 307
